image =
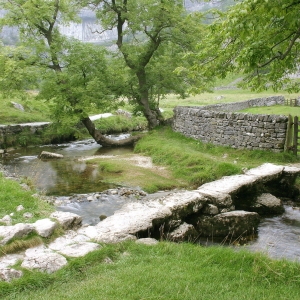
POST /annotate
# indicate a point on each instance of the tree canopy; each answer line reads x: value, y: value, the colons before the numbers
x: 259, y: 38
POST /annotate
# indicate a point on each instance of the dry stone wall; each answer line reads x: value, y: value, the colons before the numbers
x: 218, y: 124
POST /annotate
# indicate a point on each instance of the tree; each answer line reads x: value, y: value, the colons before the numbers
x: 74, y: 75
x: 153, y: 37
x: 259, y: 38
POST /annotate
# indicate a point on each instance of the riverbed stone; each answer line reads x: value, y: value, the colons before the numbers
x: 233, y: 224
x: 43, y: 259
x: 19, y: 230
x: 185, y: 232
x: 49, y: 155
x: 45, y: 227
x: 267, y: 204
x: 66, y: 219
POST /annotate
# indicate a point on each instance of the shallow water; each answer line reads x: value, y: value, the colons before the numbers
x: 61, y: 176
x: 279, y: 236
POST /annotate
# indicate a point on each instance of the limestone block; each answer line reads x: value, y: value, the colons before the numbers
x: 185, y: 232
x: 233, y: 224
x: 19, y: 230
x: 43, y: 260
x: 66, y: 219
x: 267, y: 204
x: 45, y: 227
x: 8, y: 274
x: 79, y: 249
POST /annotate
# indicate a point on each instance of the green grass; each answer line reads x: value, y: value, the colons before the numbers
x: 12, y: 195
x: 274, y: 110
x: 125, y: 170
x: 165, y: 271
x: 196, y: 163
x: 35, y: 110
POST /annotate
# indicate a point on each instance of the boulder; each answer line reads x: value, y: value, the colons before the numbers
x: 49, y: 155
x: 45, y: 227
x: 6, y: 220
x: 234, y: 224
x: 185, y: 232
x: 267, y: 204
x: 66, y: 219
x: 43, y: 259
x: 19, y: 230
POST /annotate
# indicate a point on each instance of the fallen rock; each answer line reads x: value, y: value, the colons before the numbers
x: 49, y: 155
x: 66, y: 219
x: 233, y: 224
x: 185, y: 232
x: 43, y: 259
x: 45, y: 227
x: 267, y: 204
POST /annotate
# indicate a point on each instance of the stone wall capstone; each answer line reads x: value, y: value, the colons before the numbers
x: 220, y: 125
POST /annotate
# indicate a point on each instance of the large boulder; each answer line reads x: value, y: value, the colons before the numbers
x: 267, y: 204
x: 185, y: 232
x: 233, y: 224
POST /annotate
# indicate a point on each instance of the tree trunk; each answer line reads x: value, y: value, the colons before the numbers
x: 104, y: 141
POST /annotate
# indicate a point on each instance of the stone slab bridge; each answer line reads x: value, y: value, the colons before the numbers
x: 225, y: 208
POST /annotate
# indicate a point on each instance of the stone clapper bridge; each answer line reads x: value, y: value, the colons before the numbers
x: 225, y: 208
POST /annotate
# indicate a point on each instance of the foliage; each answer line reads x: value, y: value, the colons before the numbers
x: 153, y: 37
x: 259, y: 38
x: 165, y: 271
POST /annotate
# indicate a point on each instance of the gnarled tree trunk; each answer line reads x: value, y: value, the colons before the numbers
x: 104, y: 141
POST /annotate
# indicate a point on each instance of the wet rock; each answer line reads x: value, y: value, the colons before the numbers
x: 45, y: 227
x: 234, y: 223
x: 19, y: 230
x: 102, y: 217
x: 49, y: 155
x: 66, y: 219
x: 43, y: 259
x: 266, y: 204
x: 185, y: 232
x: 147, y: 241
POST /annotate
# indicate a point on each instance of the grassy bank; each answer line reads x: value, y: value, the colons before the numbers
x: 165, y: 271
x: 196, y: 163
x: 13, y: 195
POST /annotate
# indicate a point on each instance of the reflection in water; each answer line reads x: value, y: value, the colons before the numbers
x: 61, y: 176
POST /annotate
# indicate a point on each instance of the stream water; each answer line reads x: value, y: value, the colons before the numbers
x: 278, y: 236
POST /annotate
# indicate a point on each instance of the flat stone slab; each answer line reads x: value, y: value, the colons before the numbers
x: 79, y: 249
x: 43, y: 259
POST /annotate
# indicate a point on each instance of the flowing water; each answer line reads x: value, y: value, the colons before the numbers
x: 277, y: 236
